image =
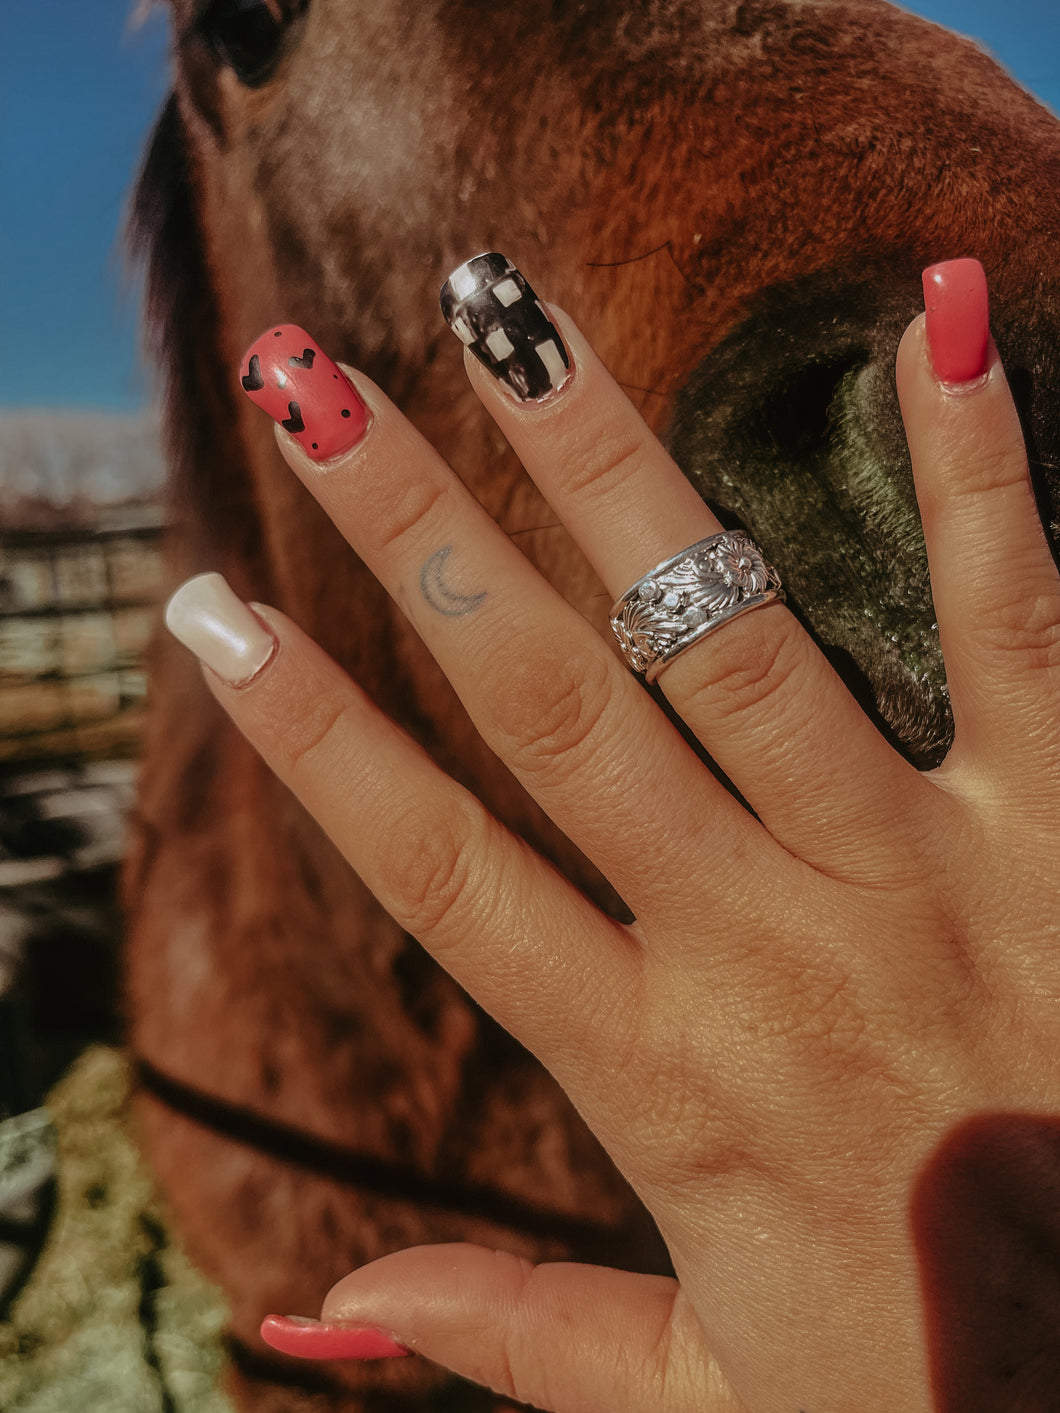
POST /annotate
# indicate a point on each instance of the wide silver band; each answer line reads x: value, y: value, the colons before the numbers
x: 688, y: 596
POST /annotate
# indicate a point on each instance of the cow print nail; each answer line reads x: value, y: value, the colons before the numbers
x: 494, y: 312
x: 299, y: 386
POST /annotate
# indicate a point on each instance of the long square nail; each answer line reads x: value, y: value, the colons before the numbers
x: 958, y: 320
x: 291, y: 378
x: 312, y: 1339
x: 207, y: 617
x: 493, y: 311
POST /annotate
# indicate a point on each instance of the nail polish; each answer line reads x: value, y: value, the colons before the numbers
x: 311, y: 1339
x: 297, y: 384
x: 494, y: 312
x: 958, y: 320
x: 207, y: 617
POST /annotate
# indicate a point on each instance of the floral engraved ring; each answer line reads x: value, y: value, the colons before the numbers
x: 686, y: 597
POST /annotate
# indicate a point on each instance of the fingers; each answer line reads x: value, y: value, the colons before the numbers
x: 545, y: 693
x: 757, y: 693
x: 521, y: 940
x: 565, y: 1337
x: 996, y: 589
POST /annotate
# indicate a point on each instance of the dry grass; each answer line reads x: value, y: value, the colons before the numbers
x: 114, y: 1318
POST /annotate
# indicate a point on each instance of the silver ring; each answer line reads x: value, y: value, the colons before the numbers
x: 688, y: 596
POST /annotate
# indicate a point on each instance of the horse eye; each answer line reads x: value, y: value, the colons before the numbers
x: 249, y: 35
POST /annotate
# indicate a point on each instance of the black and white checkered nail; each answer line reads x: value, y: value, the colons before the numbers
x: 495, y: 313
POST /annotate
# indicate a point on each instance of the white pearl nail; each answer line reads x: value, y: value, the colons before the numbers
x: 218, y: 627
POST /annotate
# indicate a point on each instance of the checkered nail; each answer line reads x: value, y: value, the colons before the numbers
x: 495, y: 313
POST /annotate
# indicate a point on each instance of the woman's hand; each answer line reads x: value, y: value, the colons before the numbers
x: 834, y: 1021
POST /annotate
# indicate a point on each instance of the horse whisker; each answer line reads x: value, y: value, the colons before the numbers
x: 632, y: 260
x: 533, y: 529
x: 635, y: 387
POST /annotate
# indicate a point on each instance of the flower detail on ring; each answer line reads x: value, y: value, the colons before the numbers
x: 690, y: 595
x: 741, y: 565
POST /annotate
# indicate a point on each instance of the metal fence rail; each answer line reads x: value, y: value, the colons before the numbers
x: 77, y: 609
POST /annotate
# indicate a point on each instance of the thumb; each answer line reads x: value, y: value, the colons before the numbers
x: 564, y: 1337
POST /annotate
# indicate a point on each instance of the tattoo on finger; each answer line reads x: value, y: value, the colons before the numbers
x: 437, y: 592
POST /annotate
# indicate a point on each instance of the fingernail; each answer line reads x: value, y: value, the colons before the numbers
x: 958, y: 320
x: 297, y: 384
x: 310, y: 1339
x: 495, y: 313
x: 207, y: 617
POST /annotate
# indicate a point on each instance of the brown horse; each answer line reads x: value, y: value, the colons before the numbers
x: 735, y: 198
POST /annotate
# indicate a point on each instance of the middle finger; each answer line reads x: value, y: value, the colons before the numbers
x: 759, y: 695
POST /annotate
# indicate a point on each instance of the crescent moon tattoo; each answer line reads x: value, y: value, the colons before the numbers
x: 439, y: 595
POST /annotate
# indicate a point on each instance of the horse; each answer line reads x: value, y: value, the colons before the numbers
x: 735, y: 199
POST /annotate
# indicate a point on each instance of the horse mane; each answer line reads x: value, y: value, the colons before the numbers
x: 211, y: 510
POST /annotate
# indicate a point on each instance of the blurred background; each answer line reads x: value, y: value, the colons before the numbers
x: 80, y: 531
x: 79, y: 514
x: 98, y: 1309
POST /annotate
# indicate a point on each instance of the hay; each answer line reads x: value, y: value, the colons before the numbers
x: 114, y: 1317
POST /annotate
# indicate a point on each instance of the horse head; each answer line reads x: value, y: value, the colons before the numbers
x: 735, y: 198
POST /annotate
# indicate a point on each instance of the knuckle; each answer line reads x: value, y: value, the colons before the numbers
x: 401, y: 512
x: 613, y: 459
x: 426, y: 867
x: 818, y: 1013
x: 738, y: 672
x: 986, y: 470
x: 313, y: 737
x: 549, y: 709
x: 695, y: 1129
x: 527, y: 1368
x: 1028, y: 627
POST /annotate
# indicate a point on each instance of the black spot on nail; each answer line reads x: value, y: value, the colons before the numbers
x: 253, y: 381
x: 294, y: 423
x: 306, y: 360
x: 345, y: 412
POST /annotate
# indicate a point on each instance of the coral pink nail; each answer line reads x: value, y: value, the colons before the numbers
x: 311, y: 1339
x: 297, y: 384
x: 958, y: 320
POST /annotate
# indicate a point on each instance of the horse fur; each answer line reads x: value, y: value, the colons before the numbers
x: 735, y: 200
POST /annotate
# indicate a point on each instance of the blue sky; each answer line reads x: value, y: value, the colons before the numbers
x: 78, y: 90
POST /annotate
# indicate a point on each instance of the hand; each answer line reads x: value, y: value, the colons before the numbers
x: 832, y: 1029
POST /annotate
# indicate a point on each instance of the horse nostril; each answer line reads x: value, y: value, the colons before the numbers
x: 249, y: 36
x: 800, y: 409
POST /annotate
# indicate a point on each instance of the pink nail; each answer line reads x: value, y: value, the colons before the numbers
x: 296, y: 383
x: 311, y: 1339
x: 958, y: 320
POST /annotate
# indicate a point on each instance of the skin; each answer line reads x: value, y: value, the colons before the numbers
x: 785, y: 1049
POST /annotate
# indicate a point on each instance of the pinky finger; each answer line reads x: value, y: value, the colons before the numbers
x: 995, y: 586
x: 564, y: 1337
